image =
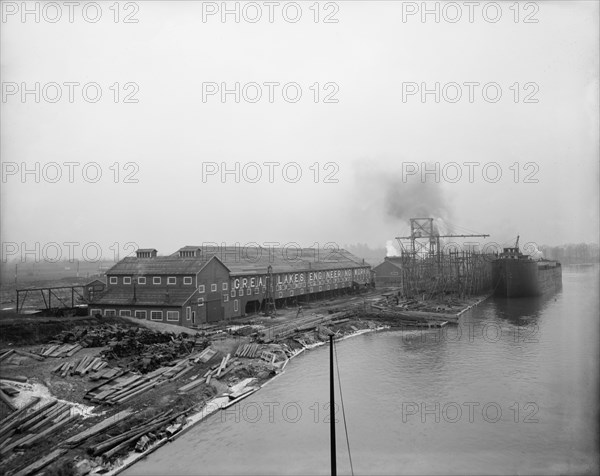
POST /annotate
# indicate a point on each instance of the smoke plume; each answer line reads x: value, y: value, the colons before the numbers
x: 402, y: 198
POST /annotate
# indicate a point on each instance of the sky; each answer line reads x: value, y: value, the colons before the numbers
x: 328, y: 139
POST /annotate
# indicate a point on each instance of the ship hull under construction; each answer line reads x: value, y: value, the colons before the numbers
x: 525, y: 277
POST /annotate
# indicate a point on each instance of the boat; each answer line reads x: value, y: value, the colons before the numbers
x: 518, y: 275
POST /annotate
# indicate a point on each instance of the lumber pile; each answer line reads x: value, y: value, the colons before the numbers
x: 28, y: 426
x: 124, y: 385
x: 249, y: 351
x: 65, y: 350
x: 150, y: 429
x: 98, y: 428
x: 41, y: 463
x: 285, y: 330
x: 217, y: 371
x: 81, y: 367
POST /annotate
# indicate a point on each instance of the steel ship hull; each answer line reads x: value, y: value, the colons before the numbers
x: 524, y: 277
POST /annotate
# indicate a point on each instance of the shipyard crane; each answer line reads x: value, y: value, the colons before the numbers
x: 422, y: 228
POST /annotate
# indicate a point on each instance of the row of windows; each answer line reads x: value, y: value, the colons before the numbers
x: 154, y: 315
x: 240, y: 293
x: 171, y: 280
x: 213, y: 288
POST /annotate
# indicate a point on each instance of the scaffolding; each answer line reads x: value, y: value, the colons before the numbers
x: 429, y: 271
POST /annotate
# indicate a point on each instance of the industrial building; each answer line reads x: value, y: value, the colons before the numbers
x: 388, y: 273
x: 200, y: 284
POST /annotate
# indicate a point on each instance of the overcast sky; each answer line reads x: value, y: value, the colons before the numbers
x: 369, y: 146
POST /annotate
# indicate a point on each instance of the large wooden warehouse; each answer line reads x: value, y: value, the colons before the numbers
x: 197, y: 285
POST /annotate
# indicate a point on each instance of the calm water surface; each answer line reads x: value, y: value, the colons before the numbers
x: 512, y: 389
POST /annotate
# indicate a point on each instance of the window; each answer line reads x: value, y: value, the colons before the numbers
x: 188, y: 312
x: 124, y: 312
x: 256, y: 290
x: 248, y: 292
x: 236, y: 306
x: 233, y: 293
x: 113, y: 280
x: 225, y: 297
x: 172, y: 315
x: 291, y: 293
x: 394, y: 273
x: 156, y: 280
x: 126, y: 279
x: 201, y: 288
x: 140, y: 314
x: 110, y: 313
x: 320, y: 288
x: 171, y: 280
x: 187, y: 280
x: 280, y: 294
x: 141, y: 280
x: 200, y: 301
x: 156, y: 315
x: 213, y: 288
x: 93, y: 312
x: 310, y: 289
x: 224, y: 286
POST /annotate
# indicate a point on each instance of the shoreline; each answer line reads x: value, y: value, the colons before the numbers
x: 217, y: 404
x: 283, y: 335
x: 223, y: 402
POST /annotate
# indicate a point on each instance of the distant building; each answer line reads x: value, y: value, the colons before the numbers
x: 93, y: 289
x: 198, y: 285
x: 388, y: 273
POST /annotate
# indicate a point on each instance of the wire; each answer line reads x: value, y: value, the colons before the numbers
x: 343, y: 409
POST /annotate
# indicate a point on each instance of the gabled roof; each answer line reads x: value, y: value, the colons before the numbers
x: 257, y: 260
x: 187, y: 248
x: 240, y: 260
x: 395, y: 264
x: 158, y: 265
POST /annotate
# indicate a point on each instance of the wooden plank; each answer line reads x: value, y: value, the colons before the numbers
x: 36, y: 413
x: 191, y: 385
x: 50, y: 430
x: 74, y: 350
x: 29, y: 354
x: 18, y: 414
x: 41, y: 463
x: 6, y: 399
x: 98, y: 428
x: 6, y: 354
x: 16, y: 378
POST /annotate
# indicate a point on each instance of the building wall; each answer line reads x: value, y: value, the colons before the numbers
x: 122, y: 310
x: 213, y: 292
x: 387, y: 274
x: 219, y: 295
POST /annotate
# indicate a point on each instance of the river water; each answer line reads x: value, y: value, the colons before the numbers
x: 512, y: 389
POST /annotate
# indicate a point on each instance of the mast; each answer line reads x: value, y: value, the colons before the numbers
x: 332, y: 408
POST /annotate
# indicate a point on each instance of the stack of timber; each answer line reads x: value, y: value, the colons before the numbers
x: 124, y: 385
x: 249, y: 351
x: 81, y: 367
x: 158, y: 424
x: 283, y: 331
x: 27, y: 426
x: 64, y: 350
